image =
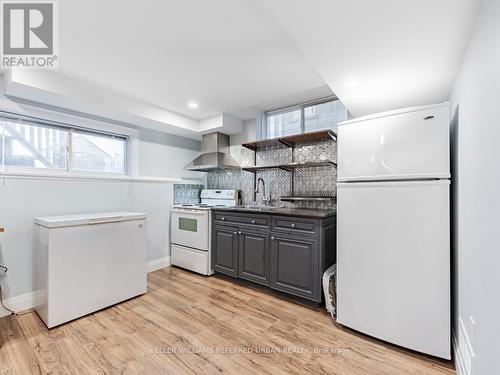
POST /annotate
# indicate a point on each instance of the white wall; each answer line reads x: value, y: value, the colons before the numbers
x: 475, y: 134
x: 161, y: 156
x: 248, y: 134
x: 165, y: 155
x: 155, y: 200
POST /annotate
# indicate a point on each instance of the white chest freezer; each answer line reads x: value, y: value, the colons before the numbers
x: 87, y: 262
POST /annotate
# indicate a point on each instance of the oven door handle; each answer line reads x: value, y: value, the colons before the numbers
x: 190, y: 212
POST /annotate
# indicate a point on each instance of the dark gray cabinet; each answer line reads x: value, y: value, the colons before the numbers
x: 289, y: 254
x: 225, y: 250
x: 295, y: 265
x: 254, y: 256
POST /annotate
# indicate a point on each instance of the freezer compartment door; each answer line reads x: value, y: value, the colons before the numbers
x: 393, y: 255
x: 407, y: 145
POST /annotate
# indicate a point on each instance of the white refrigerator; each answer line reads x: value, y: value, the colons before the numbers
x: 393, y: 227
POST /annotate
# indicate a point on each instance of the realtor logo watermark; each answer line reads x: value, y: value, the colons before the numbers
x: 30, y: 35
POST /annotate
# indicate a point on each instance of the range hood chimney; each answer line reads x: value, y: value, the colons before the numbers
x: 214, y: 154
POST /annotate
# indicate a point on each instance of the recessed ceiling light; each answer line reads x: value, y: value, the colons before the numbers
x: 350, y: 83
x: 193, y: 105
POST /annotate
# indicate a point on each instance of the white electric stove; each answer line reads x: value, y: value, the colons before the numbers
x: 191, y: 230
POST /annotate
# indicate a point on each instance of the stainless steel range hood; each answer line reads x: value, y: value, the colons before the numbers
x: 214, y: 154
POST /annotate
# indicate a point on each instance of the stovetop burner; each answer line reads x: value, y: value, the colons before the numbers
x: 202, y: 206
x: 211, y: 199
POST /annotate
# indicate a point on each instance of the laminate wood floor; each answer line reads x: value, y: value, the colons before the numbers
x: 190, y: 324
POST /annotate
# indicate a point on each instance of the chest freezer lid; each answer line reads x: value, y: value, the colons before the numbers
x: 87, y: 219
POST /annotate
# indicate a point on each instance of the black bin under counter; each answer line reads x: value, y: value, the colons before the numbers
x: 284, y: 249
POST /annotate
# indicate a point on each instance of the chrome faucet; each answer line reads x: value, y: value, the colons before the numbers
x: 265, y: 201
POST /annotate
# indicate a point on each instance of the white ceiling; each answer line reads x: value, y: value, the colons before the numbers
x: 142, y: 61
x: 225, y: 55
x: 402, y: 53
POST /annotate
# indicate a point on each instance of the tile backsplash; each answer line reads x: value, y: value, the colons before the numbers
x: 186, y: 193
x: 307, y: 181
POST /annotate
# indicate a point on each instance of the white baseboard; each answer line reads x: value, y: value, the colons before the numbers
x: 19, y: 303
x: 459, y: 361
x: 157, y: 264
x: 27, y: 301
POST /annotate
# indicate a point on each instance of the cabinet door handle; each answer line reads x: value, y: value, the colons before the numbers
x: 272, y: 238
x: 235, y: 233
x: 253, y: 221
x: 239, y: 232
x: 223, y: 218
x: 292, y: 226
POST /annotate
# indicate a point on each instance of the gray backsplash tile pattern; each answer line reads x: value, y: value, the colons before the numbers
x: 272, y: 155
x: 315, y: 151
x: 316, y: 181
x: 308, y: 181
x: 186, y: 193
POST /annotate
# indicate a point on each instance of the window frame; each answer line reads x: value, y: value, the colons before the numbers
x: 70, y: 123
x: 292, y: 108
x: 300, y: 106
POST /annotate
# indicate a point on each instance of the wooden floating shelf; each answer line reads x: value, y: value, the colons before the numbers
x: 261, y: 168
x: 309, y: 164
x: 298, y: 198
x: 291, y: 140
x: 290, y: 166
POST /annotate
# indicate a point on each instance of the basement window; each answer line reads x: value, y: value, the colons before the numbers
x: 97, y: 152
x: 306, y: 117
x: 28, y: 143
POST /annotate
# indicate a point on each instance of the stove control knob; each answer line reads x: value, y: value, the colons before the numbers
x: 292, y: 226
x: 253, y: 221
x: 223, y: 218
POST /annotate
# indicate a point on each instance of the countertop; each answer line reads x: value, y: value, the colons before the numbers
x: 315, y: 213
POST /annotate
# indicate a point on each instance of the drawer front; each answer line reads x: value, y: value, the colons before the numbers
x: 294, y: 225
x: 230, y: 218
